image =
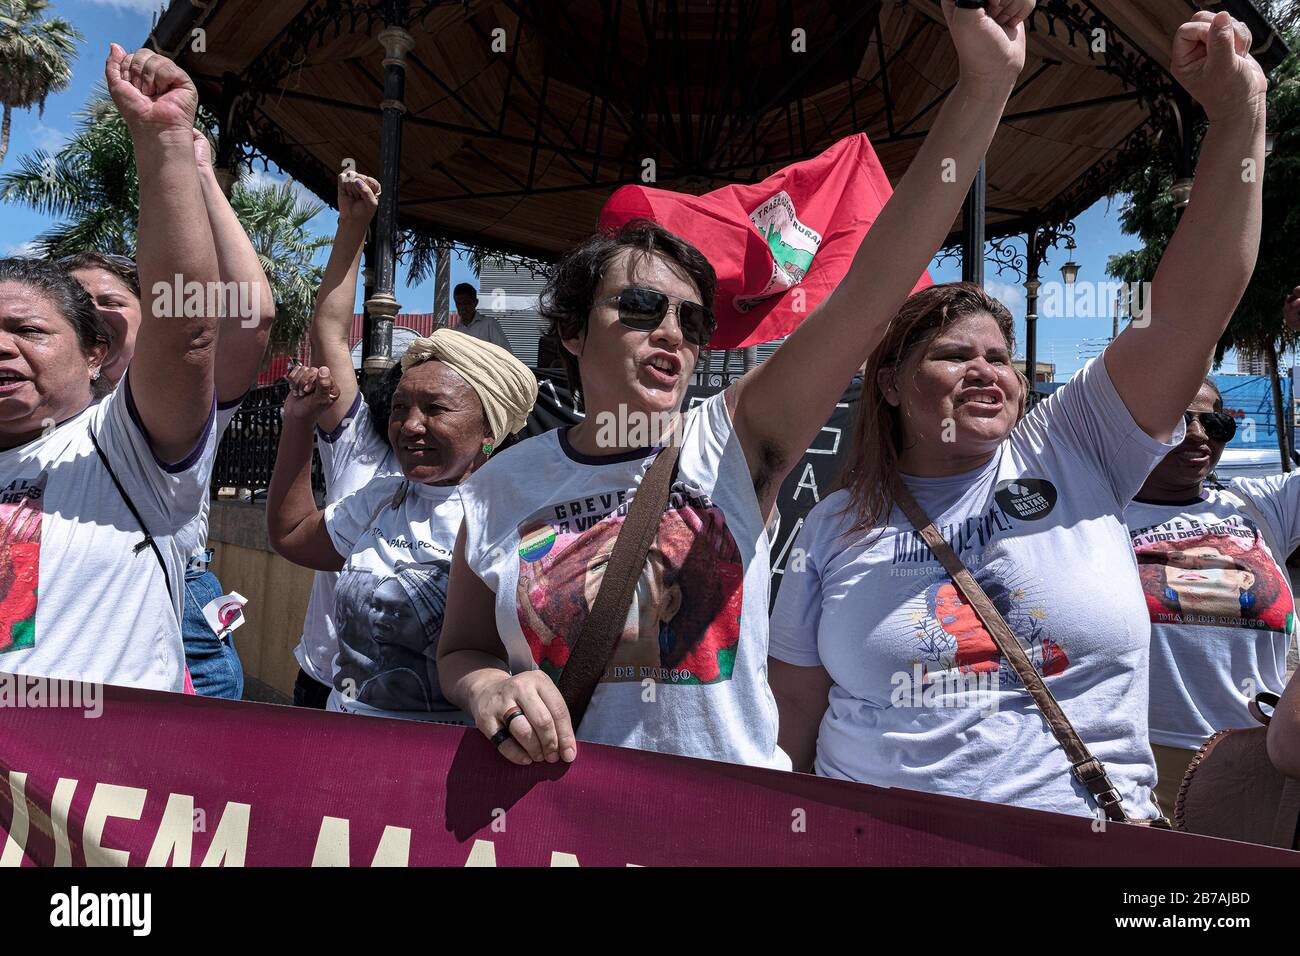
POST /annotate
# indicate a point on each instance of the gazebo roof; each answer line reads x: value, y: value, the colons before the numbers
x: 522, y: 117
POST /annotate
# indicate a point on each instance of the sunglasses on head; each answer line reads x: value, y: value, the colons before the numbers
x: 1218, y: 426
x: 645, y: 309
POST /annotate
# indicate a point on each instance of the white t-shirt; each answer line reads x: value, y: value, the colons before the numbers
x: 1219, y: 596
x: 921, y: 697
x: 351, y: 456
x: 690, y: 674
x: 390, y: 596
x: 224, y: 415
x: 77, y: 601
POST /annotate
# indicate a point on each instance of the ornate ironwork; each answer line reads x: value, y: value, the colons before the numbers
x: 246, y: 454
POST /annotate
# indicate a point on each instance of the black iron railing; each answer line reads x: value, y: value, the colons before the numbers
x: 246, y: 455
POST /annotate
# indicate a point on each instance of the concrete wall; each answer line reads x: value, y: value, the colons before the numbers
x: 277, y: 593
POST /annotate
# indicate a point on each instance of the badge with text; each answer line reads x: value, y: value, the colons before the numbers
x: 1026, y: 498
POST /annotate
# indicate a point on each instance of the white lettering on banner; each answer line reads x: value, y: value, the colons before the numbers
x: 334, y: 845
x: 173, y: 839
x: 125, y: 803
x: 807, y: 480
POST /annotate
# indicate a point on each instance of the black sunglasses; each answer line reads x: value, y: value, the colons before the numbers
x: 1218, y: 426
x: 645, y: 309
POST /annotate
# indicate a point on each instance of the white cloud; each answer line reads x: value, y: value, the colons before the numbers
x: 261, y: 178
x: 47, y: 137
x: 22, y: 249
x: 1012, y: 296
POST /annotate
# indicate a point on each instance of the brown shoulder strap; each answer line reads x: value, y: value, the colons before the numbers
x: 600, y: 635
x: 1087, y: 769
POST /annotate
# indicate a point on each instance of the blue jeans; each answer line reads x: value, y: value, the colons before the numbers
x: 214, y: 664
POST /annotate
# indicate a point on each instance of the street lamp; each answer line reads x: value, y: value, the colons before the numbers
x: 1070, y: 271
x: 1181, y: 190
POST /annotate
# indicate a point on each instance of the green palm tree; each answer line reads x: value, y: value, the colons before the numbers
x: 36, y: 57
x: 276, y: 222
x: 90, y: 185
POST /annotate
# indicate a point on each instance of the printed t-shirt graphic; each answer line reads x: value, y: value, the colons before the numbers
x: 1209, y: 573
x: 20, y: 562
x: 951, y: 640
x: 683, y: 625
x: 388, y: 627
x: 390, y: 597
x: 1219, y: 601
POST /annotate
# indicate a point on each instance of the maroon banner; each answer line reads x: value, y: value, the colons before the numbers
x: 119, y: 776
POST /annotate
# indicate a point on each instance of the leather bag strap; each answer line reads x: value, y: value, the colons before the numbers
x: 1087, y: 769
x: 591, y: 653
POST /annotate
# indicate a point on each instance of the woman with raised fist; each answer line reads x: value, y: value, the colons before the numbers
x: 633, y: 310
x: 884, y: 672
x: 99, y: 502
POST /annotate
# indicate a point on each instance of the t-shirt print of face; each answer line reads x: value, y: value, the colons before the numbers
x: 683, y: 626
x: 952, y: 640
x: 20, y: 562
x: 388, y: 627
x: 1213, y: 574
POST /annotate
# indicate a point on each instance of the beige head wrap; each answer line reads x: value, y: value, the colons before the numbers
x: 504, y: 384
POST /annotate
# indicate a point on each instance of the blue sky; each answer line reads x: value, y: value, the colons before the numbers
x: 1065, y: 341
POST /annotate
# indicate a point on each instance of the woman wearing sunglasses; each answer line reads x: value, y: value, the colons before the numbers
x: 883, y: 671
x: 632, y: 310
x: 1213, y: 567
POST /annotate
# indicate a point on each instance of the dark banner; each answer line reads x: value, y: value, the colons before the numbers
x: 114, y: 776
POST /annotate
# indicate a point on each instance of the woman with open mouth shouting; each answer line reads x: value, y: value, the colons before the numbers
x: 100, y: 501
x: 458, y: 401
x: 874, y: 683
x: 632, y: 310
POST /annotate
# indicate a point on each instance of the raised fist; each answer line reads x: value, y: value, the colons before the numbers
x: 1211, y: 59
x: 1291, y: 310
x: 358, y: 196
x: 150, y: 91
x: 990, y: 42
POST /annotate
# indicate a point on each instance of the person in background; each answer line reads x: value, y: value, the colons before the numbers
x: 114, y: 284
x: 353, y: 446
x: 882, y: 671
x: 1213, y: 567
x: 485, y: 327
x: 458, y: 401
x: 102, y: 499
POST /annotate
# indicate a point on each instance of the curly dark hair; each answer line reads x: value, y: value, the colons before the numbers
x: 567, y: 299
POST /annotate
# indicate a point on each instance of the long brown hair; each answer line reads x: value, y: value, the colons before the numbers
x: 872, y: 468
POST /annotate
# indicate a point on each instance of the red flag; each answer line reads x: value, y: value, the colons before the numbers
x: 779, y: 246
